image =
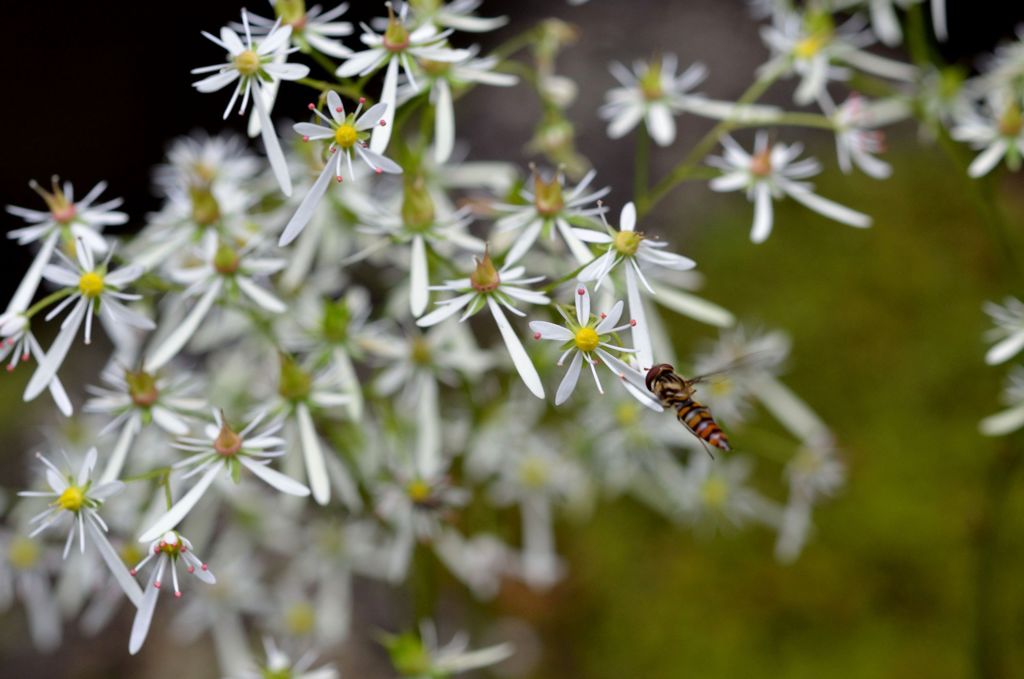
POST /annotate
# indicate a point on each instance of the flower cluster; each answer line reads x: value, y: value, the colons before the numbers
x: 319, y: 370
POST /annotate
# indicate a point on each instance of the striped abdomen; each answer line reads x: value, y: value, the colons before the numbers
x: 697, y: 418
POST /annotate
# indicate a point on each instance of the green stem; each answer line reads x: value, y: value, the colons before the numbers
x: 682, y: 171
x: 564, y: 279
x: 147, y: 476
x: 47, y: 301
x: 165, y: 481
x: 641, y: 164
x: 324, y: 62
x: 350, y: 91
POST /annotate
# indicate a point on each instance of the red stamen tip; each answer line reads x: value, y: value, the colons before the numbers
x: 377, y: 170
x: 339, y: 109
x: 191, y: 569
x: 204, y: 566
x: 632, y: 322
x: 10, y: 367
x: 362, y: 100
x: 305, y: 137
x: 312, y: 106
x: 603, y: 315
x: 536, y: 335
x: 338, y: 178
x: 24, y: 356
x: 581, y: 291
x: 132, y: 572
x: 383, y: 123
x: 157, y: 584
x: 177, y: 595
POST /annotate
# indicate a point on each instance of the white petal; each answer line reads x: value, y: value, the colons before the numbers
x: 382, y: 133
x: 30, y: 283
x: 115, y: 564
x: 428, y: 428
x: 641, y: 333
x: 627, y: 218
x: 419, y: 280
x: 144, y: 615
x: 444, y: 123
x: 693, y: 306
x: 274, y: 153
x: 173, y: 516
x: 174, y: 342
x: 568, y: 383
x: 260, y: 295
x: 285, y: 484
x: 316, y: 470
x: 120, y: 452
x: 829, y: 209
x: 762, y: 214
x: 1003, y: 422
x: 445, y: 310
x: 48, y: 367
x: 661, y: 125
x: 1006, y: 349
x: 520, y: 358
x: 550, y: 331
x: 987, y: 159
x: 308, y: 205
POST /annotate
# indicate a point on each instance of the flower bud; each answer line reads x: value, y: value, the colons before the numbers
x: 226, y: 260
x: 227, y: 442
x: 417, y: 205
x: 294, y: 382
x: 485, y: 277
x: 141, y: 387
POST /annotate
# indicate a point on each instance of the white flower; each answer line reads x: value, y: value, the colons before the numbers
x: 810, y: 44
x: 457, y: 14
x: 280, y: 665
x: 717, y: 493
x: 1008, y: 333
x: 1009, y: 420
x: 651, y: 92
x: 168, y: 550
x: 417, y: 222
x: 397, y: 45
x: 815, y: 472
x: 487, y: 286
x: 25, y: 573
x: 770, y: 173
x: 223, y: 448
x: 588, y: 339
x: 204, y: 160
x: 18, y: 342
x: 311, y: 28
x: 996, y: 128
x: 440, y: 78
x: 90, y: 290
x: 137, y: 398
x: 221, y: 270
x: 254, y: 66
x: 551, y: 207
x: 634, y: 248
x: 68, y: 220
x: 74, y: 495
x: 301, y: 391
x: 857, y: 141
x: 348, y: 134
x: 423, y: 657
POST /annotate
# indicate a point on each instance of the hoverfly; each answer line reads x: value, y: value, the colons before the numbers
x: 674, y: 391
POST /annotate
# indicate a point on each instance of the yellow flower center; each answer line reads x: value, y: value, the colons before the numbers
x: 715, y: 492
x: 418, y: 490
x: 811, y: 45
x: 248, y: 62
x: 721, y: 387
x: 71, y: 499
x: 587, y: 339
x: 650, y: 83
x: 23, y: 553
x: 626, y: 414
x: 91, y: 284
x: 1012, y: 121
x: 346, y: 136
x: 627, y: 242
x: 533, y: 472
x: 300, y: 619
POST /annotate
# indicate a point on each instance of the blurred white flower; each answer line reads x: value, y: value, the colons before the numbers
x: 423, y: 657
x: 770, y: 173
x: 652, y: 92
x: 1009, y: 420
x: 1008, y: 334
x: 996, y: 128
x: 551, y: 207
x: 221, y: 447
x: 278, y: 664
